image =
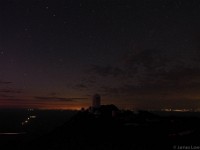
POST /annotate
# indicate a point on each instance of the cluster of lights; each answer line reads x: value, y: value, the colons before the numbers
x: 28, y: 119
x: 177, y: 110
x: 31, y: 109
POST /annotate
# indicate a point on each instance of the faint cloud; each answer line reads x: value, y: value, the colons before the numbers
x: 5, y: 82
x: 53, y: 98
x: 53, y: 94
x: 11, y: 91
x: 81, y: 86
x: 148, y: 71
x: 106, y: 71
x: 6, y: 96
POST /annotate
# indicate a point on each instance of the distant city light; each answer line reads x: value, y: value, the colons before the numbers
x: 176, y: 110
x: 32, y: 116
x: 12, y: 133
x: 28, y: 119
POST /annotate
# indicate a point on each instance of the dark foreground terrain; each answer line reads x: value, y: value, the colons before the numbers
x: 124, y: 131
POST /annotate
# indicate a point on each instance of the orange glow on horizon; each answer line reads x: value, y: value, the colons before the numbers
x: 22, y: 104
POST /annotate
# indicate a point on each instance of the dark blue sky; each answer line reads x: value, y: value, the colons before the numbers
x: 142, y: 54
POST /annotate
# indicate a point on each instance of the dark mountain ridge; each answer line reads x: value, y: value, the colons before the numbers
x: 125, y: 130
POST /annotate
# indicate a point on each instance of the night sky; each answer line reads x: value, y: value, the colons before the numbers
x: 141, y: 54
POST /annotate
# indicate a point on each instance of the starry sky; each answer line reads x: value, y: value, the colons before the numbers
x: 142, y: 54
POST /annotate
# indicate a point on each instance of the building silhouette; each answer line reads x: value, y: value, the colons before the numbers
x: 102, y: 110
x: 96, y: 101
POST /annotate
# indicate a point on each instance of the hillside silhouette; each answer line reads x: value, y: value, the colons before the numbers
x: 125, y: 130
